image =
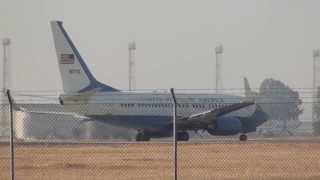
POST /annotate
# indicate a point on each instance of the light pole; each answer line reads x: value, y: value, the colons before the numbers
x: 131, y: 73
x: 218, y: 52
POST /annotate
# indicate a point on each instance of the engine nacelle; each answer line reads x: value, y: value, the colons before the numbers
x: 226, y: 126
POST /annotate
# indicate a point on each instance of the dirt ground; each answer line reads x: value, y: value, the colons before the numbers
x: 154, y: 161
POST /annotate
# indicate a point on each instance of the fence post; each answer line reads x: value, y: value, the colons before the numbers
x: 11, y: 134
x: 174, y: 133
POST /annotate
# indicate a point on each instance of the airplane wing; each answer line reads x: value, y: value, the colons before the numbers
x: 204, y: 119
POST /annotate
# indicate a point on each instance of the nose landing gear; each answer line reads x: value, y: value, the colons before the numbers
x: 243, y: 137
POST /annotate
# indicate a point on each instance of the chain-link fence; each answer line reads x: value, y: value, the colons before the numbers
x: 4, y: 141
x: 88, y: 140
x: 275, y: 149
x: 77, y: 138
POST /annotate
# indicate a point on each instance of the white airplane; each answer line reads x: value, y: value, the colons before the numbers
x: 149, y: 113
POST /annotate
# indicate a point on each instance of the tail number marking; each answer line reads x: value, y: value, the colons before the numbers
x: 67, y: 59
x: 74, y: 71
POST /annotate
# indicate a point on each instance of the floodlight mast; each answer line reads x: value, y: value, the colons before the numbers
x: 131, y: 73
x: 5, y: 78
x: 315, y: 82
x: 218, y: 52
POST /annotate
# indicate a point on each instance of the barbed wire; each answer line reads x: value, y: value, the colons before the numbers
x: 53, y: 96
x: 132, y: 94
x: 190, y: 91
x: 80, y: 97
x: 177, y: 89
x: 148, y: 102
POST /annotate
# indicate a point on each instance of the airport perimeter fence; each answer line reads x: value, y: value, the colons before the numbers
x: 4, y: 139
x: 58, y: 140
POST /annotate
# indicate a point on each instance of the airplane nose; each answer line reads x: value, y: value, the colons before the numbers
x: 260, y: 115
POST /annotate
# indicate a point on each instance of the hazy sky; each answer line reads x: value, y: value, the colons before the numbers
x: 175, y: 40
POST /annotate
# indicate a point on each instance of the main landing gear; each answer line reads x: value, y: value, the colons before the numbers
x: 182, y: 136
x: 142, y: 137
x: 145, y: 136
x: 243, y: 137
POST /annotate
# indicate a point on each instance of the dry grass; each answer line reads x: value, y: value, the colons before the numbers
x: 154, y: 161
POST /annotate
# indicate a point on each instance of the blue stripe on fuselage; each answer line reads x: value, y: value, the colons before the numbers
x: 154, y: 122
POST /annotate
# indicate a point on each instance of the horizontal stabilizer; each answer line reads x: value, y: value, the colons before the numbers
x: 75, y: 115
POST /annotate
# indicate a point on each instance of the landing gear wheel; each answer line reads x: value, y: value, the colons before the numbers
x: 182, y: 136
x: 142, y: 137
x: 243, y: 137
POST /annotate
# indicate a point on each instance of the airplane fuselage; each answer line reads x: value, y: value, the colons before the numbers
x: 147, y: 110
x: 149, y: 113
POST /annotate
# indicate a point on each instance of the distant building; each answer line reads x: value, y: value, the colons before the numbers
x: 55, y: 126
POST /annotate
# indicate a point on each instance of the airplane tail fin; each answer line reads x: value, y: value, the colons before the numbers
x: 247, y: 90
x: 76, y: 76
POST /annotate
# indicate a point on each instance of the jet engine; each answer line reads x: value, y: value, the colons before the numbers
x: 225, y: 126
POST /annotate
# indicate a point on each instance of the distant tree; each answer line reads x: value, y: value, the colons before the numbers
x: 279, y: 100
